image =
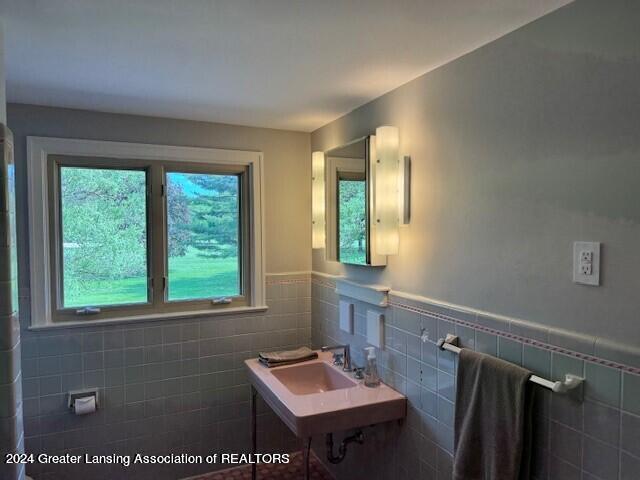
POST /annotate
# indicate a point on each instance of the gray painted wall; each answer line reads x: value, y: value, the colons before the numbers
x: 520, y: 148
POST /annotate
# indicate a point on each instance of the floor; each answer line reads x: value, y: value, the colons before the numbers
x: 289, y: 471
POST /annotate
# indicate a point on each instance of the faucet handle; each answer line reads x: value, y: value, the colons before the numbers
x: 338, y: 359
x: 358, y: 372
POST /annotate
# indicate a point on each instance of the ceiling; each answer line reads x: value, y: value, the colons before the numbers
x: 288, y: 64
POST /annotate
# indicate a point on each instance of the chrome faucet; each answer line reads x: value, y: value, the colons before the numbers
x: 345, y: 361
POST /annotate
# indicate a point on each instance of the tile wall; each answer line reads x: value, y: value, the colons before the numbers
x: 11, y: 431
x: 594, y: 439
x: 165, y: 386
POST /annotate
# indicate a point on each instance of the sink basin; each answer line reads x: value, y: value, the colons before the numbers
x: 315, y: 397
x: 312, y: 378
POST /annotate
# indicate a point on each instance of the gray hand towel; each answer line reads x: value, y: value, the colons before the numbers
x: 493, y: 419
x: 287, y: 357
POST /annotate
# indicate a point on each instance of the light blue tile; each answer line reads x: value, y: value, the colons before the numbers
x: 466, y: 336
x: 93, y: 361
x: 564, y: 364
x: 486, y: 343
x: 134, y: 338
x: 50, y: 385
x: 631, y: 389
x: 398, y: 340
x: 133, y: 356
x: 510, y: 350
x: 630, y: 466
x: 113, y: 339
x: 537, y: 360
x: 561, y: 470
x: 446, y: 385
x: 445, y: 411
x: 429, y: 327
x: 445, y: 328
x: 407, y: 320
x: 414, y: 346
x: 152, y: 336
x: 446, y: 361
x: 630, y: 438
x: 600, y: 459
x: 602, y: 384
x: 50, y: 365
x: 429, y: 402
x: 414, y: 370
x: 429, y: 377
x: 567, y: 410
x: 602, y: 422
x: 566, y: 443
x: 113, y: 358
x: 413, y: 394
x: 92, y: 342
x: 430, y: 353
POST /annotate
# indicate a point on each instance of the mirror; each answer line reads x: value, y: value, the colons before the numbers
x: 349, y: 198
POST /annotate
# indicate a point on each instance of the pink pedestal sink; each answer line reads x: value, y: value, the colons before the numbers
x: 316, y: 397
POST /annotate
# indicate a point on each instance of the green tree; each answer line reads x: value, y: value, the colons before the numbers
x: 104, y: 224
x: 352, y: 211
x: 178, y: 219
x: 215, y: 215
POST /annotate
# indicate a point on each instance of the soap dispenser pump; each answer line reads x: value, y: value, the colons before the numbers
x: 371, y: 377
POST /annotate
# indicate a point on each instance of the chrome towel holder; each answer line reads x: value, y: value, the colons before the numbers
x: 571, y: 382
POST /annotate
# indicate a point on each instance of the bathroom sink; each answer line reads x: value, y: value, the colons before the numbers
x: 315, y: 397
x: 309, y: 378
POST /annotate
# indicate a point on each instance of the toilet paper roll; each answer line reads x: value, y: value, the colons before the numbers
x: 84, y: 405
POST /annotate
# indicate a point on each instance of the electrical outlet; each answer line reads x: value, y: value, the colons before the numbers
x: 586, y: 263
x: 586, y: 256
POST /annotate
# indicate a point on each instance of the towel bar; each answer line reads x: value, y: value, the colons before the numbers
x: 570, y: 382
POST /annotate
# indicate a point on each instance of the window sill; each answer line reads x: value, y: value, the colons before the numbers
x: 150, y: 318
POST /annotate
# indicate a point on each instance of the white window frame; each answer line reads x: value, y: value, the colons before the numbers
x: 39, y: 148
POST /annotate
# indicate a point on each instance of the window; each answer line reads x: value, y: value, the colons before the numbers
x: 103, y: 235
x: 203, y: 217
x: 132, y: 237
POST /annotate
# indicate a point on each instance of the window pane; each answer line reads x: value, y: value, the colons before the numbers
x: 203, y: 213
x: 104, y: 236
x: 352, y: 231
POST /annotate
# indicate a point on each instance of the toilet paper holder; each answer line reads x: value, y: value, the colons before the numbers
x: 82, y: 394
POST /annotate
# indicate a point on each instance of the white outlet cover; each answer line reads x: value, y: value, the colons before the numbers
x: 581, y: 252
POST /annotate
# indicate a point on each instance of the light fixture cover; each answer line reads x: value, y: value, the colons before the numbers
x: 317, y: 200
x: 386, y: 190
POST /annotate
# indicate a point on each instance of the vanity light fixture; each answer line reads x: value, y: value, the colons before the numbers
x: 387, y: 194
x: 317, y: 200
x: 392, y: 181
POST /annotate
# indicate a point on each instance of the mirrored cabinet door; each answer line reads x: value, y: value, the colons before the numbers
x: 349, y: 204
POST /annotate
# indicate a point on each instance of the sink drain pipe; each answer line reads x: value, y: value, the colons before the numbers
x: 357, y: 437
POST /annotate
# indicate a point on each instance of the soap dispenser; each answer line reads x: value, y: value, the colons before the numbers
x: 371, y: 377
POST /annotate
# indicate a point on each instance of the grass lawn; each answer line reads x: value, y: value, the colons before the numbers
x: 190, y: 277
